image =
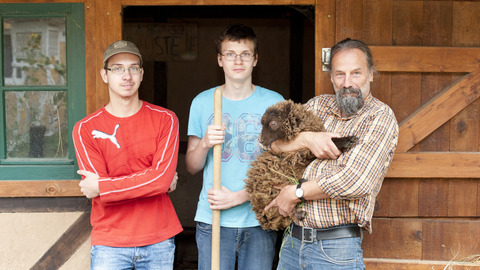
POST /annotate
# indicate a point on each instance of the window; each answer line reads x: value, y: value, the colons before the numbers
x: 43, y: 77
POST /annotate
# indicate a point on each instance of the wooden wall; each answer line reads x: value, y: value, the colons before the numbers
x: 428, y: 57
x: 432, y: 214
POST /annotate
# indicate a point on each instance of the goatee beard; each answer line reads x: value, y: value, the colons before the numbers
x: 349, y: 104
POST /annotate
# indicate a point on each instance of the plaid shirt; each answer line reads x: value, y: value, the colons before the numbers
x: 354, y: 179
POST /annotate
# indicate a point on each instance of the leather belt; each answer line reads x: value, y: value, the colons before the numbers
x: 307, y: 235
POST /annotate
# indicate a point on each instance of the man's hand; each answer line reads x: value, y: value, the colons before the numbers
x: 321, y: 144
x: 89, y: 185
x: 173, y: 185
x: 215, y: 135
x: 223, y: 198
x: 285, y: 201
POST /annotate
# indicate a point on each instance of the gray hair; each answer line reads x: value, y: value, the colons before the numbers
x: 352, y: 44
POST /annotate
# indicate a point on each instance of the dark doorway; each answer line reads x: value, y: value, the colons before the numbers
x: 173, y: 78
x: 286, y: 50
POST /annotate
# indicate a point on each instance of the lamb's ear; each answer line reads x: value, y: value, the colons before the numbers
x: 288, y: 107
x: 290, y: 119
x: 299, y: 112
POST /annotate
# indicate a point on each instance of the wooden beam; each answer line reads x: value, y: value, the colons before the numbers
x: 438, y: 111
x: 435, y: 165
x: 388, y: 264
x: 66, y: 245
x: 215, y: 2
x: 426, y: 59
x: 92, y: 72
x: 108, y: 29
x: 38, y: 1
x: 45, y: 204
x: 324, y: 38
x: 48, y: 188
x: 404, y: 165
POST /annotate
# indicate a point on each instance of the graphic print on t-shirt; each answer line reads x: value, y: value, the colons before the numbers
x: 102, y: 135
x: 241, y: 136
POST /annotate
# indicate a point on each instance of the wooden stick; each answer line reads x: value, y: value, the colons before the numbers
x: 217, y: 159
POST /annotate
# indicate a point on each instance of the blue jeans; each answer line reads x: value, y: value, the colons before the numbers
x: 335, y: 254
x: 254, y: 247
x: 158, y: 256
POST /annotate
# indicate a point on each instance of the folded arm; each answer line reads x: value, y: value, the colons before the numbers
x: 154, y: 180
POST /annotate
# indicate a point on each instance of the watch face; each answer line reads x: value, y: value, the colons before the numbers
x: 299, y: 192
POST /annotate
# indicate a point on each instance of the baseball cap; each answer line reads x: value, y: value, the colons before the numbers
x: 121, y: 46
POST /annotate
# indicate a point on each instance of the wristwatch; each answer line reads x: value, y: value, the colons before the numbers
x: 299, y: 191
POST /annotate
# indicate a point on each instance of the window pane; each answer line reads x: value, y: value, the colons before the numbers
x: 34, y: 51
x: 36, y: 124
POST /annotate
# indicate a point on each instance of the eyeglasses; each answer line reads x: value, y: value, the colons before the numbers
x: 246, y: 56
x: 120, y: 70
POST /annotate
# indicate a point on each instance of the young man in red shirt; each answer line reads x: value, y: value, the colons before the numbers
x: 127, y: 155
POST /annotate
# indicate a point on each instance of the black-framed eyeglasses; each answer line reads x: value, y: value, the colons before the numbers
x: 121, y: 70
x: 245, y: 56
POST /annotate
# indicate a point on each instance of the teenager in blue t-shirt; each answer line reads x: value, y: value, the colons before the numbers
x: 243, y: 104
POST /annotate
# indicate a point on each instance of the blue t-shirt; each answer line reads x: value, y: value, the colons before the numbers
x: 242, y: 119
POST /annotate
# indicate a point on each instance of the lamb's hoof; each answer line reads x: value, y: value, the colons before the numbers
x: 344, y: 143
x: 299, y: 214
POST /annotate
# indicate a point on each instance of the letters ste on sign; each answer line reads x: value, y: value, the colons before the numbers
x: 164, y: 41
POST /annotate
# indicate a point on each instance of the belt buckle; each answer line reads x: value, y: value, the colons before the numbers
x: 307, y: 234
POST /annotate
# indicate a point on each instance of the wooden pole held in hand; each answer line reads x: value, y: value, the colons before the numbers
x: 217, y: 159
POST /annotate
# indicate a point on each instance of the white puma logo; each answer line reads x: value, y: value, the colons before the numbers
x: 102, y: 135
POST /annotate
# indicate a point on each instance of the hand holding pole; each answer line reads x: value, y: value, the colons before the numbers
x: 217, y: 159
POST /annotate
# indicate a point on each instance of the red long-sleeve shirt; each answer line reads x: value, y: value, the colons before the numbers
x: 136, y: 159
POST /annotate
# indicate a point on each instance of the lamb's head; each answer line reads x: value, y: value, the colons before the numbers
x: 272, y: 126
x: 276, y: 124
x: 285, y: 120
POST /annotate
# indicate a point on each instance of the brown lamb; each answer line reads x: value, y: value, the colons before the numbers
x: 284, y: 120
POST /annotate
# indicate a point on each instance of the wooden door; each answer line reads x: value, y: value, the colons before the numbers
x: 428, y: 57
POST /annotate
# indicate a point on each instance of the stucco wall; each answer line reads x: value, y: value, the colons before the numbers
x: 27, y: 236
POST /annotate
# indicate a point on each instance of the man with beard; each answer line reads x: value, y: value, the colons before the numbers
x: 339, y: 190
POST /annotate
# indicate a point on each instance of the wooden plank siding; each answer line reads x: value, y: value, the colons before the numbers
x: 406, y: 30
x: 423, y: 239
x: 465, y: 126
x: 325, y: 14
x: 432, y: 198
x: 428, y: 57
x: 379, y: 36
x: 438, y: 33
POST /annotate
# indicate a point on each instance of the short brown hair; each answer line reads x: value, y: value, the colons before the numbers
x: 237, y: 32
